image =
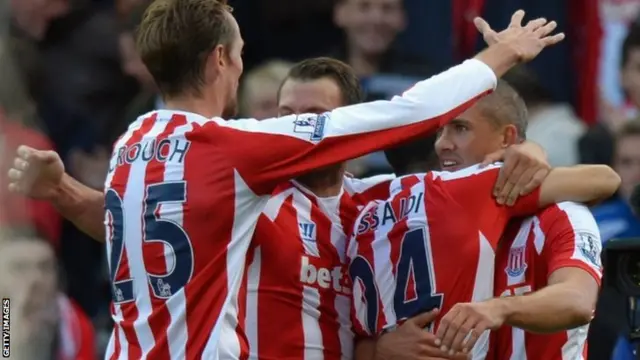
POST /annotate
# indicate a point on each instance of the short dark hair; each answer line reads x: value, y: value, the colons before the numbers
x: 502, y: 107
x: 336, y: 70
x: 631, y: 42
x: 527, y: 84
x: 176, y: 37
x: 628, y: 129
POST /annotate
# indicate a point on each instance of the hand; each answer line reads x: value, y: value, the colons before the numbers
x: 525, y: 168
x: 461, y: 327
x: 36, y: 173
x: 527, y: 41
x: 411, y: 341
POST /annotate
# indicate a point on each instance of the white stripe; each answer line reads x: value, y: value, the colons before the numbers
x: 518, y: 346
x: 383, y: 268
x: 176, y: 304
x: 520, y: 241
x: 583, y: 223
x: 466, y: 172
x: 303, y: 205
x: 133, y: 200
x: 576, y: 340
x: 253, y: 288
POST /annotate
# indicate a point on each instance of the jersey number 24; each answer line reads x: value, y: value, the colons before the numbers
x: 414, y: 261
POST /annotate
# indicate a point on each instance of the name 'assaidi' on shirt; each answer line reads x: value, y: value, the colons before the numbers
x: 372, y: 218
x: 172, y: 150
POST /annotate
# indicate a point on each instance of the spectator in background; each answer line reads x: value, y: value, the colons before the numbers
x: 46, y: 324
x: 615, y: 217
x: 259, y: 90
x: 553, y: 125
x: 597, y: 145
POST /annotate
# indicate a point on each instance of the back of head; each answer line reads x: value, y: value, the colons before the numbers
x: 176, y: 37
x: 528, y: 86
x: 328, y: 68
x: 261, y: 82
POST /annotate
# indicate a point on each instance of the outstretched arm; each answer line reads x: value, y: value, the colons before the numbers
x: 581, y: 183
x: 81, y: 205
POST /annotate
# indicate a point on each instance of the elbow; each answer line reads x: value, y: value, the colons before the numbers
x: 581, y: 316
x: 611, y: 180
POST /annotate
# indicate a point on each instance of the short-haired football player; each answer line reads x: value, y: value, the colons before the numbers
x: 432, y: 243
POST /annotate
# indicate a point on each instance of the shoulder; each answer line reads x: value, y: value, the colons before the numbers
x: 567, y: 215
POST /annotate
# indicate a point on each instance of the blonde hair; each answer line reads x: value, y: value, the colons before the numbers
x: 270, y: 74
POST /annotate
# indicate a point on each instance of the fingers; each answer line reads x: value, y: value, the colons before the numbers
x: 505, y: 172
x: 516, y: 19
x: 511, y: 181
x: 522, y: 181
x: 493, y: 157
x: 478, y: 330
x: 536, y: 181
x: 542, y: 31
x: 489, y: 35
x: 448, y: 327
x: 424, y: 319
x: 552, y: 40
x: 462, y: 336
x: 537, y: 24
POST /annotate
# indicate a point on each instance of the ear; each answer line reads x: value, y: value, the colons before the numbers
x: 340, y: 13
x: 219, y: 55
x: 509, y: 136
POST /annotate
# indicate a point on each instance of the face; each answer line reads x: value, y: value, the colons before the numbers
x: 627, y: 163
x: 371, y: 25
x: 34, y: 16
x: 132, y: 64
x: 630, y: 76
x: 465, y: 141
x: 316, y: 97
x: 28, y: 267
x: 230, y: 60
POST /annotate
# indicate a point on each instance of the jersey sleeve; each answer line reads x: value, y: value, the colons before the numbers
x: 269, y: 151
x: 571, y: 239
x: 473, y: 189
x: 362, y: 191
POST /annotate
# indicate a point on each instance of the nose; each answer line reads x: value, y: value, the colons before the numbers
x: 444, y: 143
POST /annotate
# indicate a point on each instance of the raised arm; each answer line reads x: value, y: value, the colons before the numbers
x: 267, y: 152
x: 581, y: 183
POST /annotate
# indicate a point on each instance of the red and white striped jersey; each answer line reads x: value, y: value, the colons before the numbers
x: 563, y: 235
x: 183, y: 195
x: 295, y: 285
x: 430, y: 245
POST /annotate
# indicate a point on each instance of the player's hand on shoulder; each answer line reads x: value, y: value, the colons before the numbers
x: 528, y: 40
x: 461, y: 327
x: 411, y: 341
x: 525, y: 168
x: 36, y: 173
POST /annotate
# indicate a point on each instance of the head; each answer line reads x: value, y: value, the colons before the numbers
x: 630, y: 65
x: 496, y: 121
x: 34, y: 16
x: 627, y: 156
x: 528, y: 86
x: 193, y: 49
x: 370, y: 26
x: 28, y: 266
x: 131, y: 62
x: 316, y: 86
x: 259, y: 90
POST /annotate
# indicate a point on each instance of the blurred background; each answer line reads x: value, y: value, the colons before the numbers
x: 70, y: 80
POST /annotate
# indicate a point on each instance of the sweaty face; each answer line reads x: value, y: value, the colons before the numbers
x: 371, y: 25
x: 234, y: 69
x: 627, y: 163
x: 465, y: 141
x: 630, y: 76
x: 315, y: 96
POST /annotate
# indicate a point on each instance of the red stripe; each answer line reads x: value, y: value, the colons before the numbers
x: 153, y: 253
x: 118, y: 183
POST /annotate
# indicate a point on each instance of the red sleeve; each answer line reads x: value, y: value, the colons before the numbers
x: 87, y: 346
x: 270, y: 151
x: 571, y: 239
x: 473, y: 189
x: 362, y: 191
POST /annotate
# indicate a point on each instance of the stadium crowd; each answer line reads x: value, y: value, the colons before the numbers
x: 71, y: 80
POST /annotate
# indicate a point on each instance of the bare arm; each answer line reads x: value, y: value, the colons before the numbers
x: 567, y: 302
x: 81, y: 205
x: 582, y: 183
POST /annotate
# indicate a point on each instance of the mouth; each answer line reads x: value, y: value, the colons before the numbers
x: 450, y: 165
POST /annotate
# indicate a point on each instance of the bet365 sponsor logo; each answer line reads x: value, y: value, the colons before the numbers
x: 321, y: 277
x: 6, y: 328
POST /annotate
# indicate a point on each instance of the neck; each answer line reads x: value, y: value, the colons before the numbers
x: 324, y: 182
x: 207, y: 104
x: 362, y: 63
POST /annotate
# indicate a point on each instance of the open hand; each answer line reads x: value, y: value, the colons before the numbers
x: 528, y: 41
x: 525, y: 168
x: 36, y: 173
x: 463, y: 325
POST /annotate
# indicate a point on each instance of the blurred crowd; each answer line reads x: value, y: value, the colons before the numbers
x: 71, y: 81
